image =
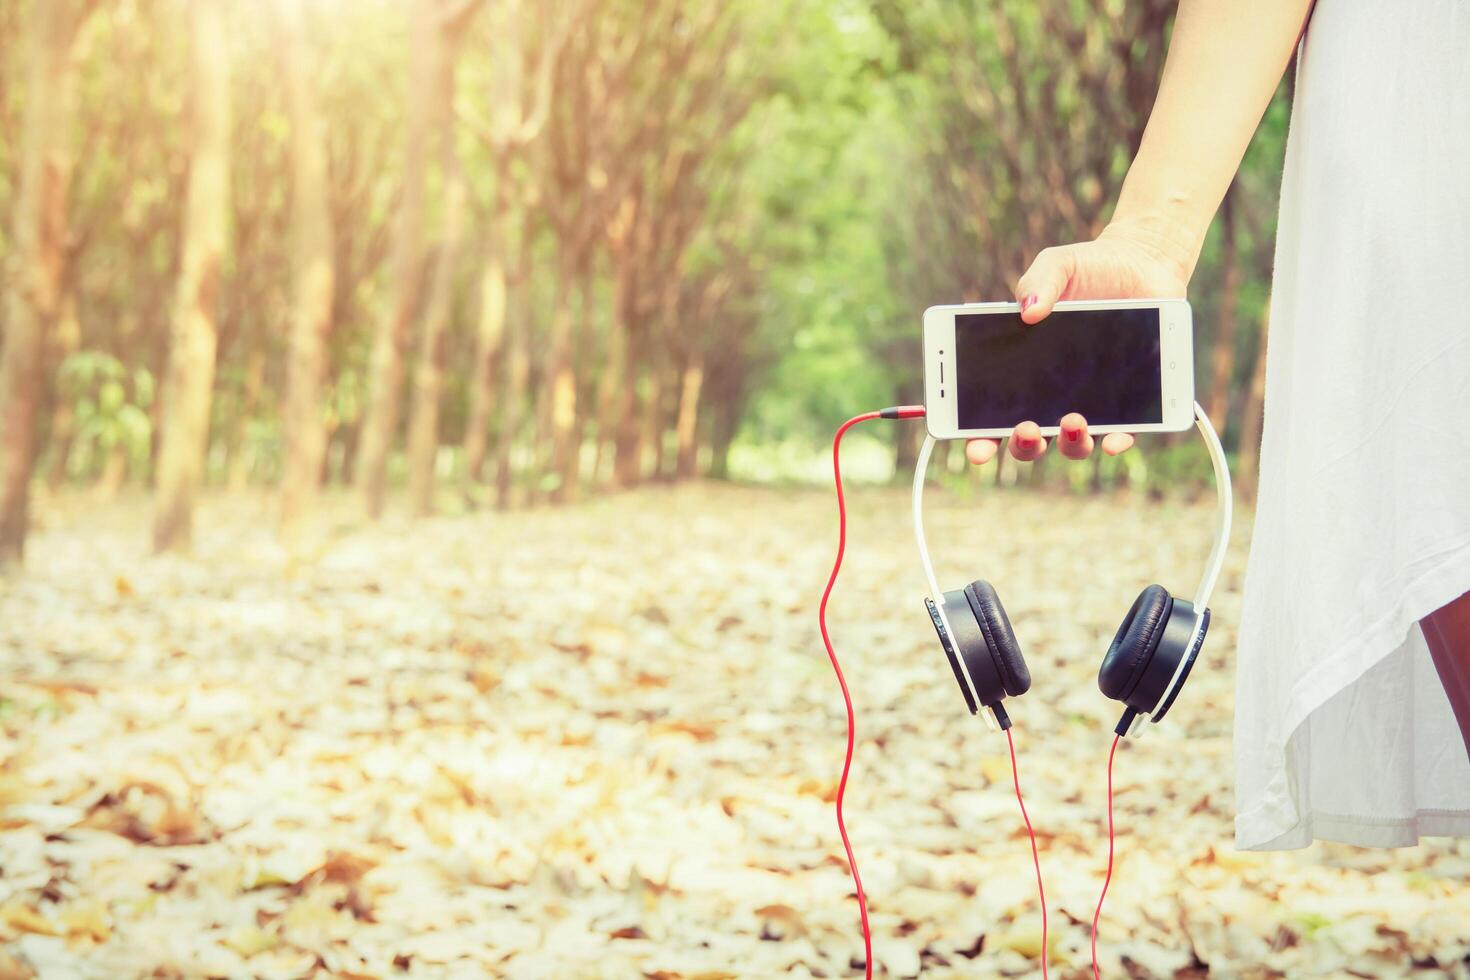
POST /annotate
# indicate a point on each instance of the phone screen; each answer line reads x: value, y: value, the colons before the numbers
x: 1101, y: 363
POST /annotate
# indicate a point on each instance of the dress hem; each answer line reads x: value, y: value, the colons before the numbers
x: 1277, y: 823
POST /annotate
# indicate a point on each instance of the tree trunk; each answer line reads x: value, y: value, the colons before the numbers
x: 239, y: 476
x: 517, y: 372
x: 908, y: 438
x: 423, y: 426
x: 663, y: 413
x: 518, y: 113
x: 589, y: 352
x: 68, y: 340
x: 628, y: 461
x: 559, y: 398
x: 351, y: 442
x: 941, y: 458
x: 314, y: 285
x: 724, y: 422
x: 1036, y: 472
x: 114, y: 474
x: 1222, y: 356
x: 608, y: 395
x: 686, y: 428
x: 394, y: 328
x: 650, y: 434
x: 512, y: 410
x: 189, y: 384
x: 37, y: 257
x: 488, y: 341
x: 1248, y: 451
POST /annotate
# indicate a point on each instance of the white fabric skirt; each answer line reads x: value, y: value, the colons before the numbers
x: 1343, y: 731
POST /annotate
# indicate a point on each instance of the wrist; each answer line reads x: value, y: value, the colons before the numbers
x: 1169, y: 235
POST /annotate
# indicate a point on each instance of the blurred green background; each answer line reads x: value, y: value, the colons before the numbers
x: 507, y: 251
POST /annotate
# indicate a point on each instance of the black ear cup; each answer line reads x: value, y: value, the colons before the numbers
x: 1156, y: 639
x: 999, y: 637
x: 1134, y: 644
x: 981, y: 646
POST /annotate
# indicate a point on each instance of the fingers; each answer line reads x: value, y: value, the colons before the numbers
x: 1026, y: 442
x: 1043, y: 284
x: 1074, y: 442
x: 981, y: 451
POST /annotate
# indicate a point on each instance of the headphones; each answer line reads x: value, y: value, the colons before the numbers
x: 1145, y: 666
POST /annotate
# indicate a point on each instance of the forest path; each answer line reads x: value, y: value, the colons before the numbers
x: 601, y: 741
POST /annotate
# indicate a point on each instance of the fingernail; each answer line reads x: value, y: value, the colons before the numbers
x: 1074, y: 435
x: 1028, y: 302
x: 1029, y: 442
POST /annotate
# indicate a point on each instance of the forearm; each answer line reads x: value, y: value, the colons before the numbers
x: 1225, y: 60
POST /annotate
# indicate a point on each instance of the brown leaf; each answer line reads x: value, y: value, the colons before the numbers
x: 89, y: 919
x: 700, y: 730
x: 247, y: 940
x: 14, y: 968
x: 19, y: 915
x: 346, y: 868
x: 484, y: 678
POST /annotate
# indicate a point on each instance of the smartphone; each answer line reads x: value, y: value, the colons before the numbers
x: 1125, y: 365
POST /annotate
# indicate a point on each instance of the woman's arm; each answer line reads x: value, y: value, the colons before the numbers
x: 1225, y: 60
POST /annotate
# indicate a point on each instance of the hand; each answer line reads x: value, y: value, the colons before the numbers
x: 1128, y: 260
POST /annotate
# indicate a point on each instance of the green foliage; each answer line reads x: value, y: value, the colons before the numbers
x: 975, y: 138
x: 822, y: 177
x: 892, y: 155
x: 111, y: 403
x: 1182, y: 467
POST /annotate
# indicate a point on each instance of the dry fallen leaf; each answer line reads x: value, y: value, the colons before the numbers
x: 14, y: 968
x: 247, y: 940
x: 425, y: 752
x: 89, y: 919
x: 18, y: 915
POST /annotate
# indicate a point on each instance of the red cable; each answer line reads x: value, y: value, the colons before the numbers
x: 902, y: 412
x: 846, y: 697
x: 1096, y: 972
x: 1035, y: 858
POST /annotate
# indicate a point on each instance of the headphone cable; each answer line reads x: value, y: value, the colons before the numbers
x: 1035, y: 857
x: 899, y: 412
x: 1096, y: 971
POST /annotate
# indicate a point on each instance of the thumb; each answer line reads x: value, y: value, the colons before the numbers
x: 1046, y: 280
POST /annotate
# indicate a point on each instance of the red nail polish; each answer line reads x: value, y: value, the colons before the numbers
x: 1028, y: 302
x: 1074, y: 435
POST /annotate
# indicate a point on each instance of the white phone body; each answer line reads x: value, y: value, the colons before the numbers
x: 1176, y: 367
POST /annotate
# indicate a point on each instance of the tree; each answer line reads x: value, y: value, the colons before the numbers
x: 394, y: 332
x: 313, y: 271
x: 38, y: 245
x: 1222, y: 351
x: 520, y: 93
x: 423, y: 428
x: 1032, y: 127
x: 189, y: 385
x: 640, y: 133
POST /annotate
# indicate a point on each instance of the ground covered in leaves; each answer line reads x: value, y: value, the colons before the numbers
x: 603, y: 742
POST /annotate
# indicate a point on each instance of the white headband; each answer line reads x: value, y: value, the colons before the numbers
x: 1223, y: 509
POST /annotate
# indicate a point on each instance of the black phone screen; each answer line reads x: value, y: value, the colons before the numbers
x: 1101, y: 363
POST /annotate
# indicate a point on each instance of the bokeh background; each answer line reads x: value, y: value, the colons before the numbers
x: 413, y: 427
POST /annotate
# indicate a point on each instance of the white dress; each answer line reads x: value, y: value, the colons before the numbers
x: 1343, y: 731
